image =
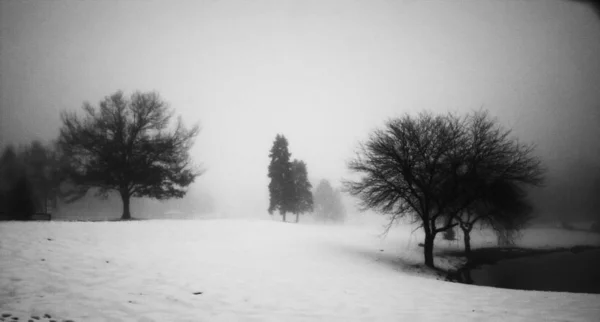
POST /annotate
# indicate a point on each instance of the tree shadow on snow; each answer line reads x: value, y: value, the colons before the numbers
x: 412, y: 266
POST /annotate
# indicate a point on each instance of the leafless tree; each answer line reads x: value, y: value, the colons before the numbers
x: 126, y: 145
x: 431, y: 167
x: 404, y: 167
x: 497, y: 168
x: 502, y: 206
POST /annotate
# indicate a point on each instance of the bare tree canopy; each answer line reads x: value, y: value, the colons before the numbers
x: 432, y: 166
x: 502, y: 205
x: 127, y: 145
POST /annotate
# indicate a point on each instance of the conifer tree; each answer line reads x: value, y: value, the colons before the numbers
x: 281, y: 187
x: 303, y: 198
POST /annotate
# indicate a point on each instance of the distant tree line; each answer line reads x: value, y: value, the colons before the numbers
x: 30, y: 177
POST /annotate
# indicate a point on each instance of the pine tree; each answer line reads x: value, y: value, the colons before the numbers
x: 328, y: 203
x: 281, y: 188
x: 303, y: 198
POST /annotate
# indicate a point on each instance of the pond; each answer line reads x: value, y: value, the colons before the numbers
x: 562, y: 271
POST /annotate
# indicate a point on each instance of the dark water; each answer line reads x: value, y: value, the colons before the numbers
x: 562, y: 272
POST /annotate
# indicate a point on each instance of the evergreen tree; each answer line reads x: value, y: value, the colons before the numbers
x: 303, y: 198
x: 328, y: 203
x: 281, y: 187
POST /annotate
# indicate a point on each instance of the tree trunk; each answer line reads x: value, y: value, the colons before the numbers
x: 466, y: 276
x: 296, y: 218
x: 283, y: 214
x: 428, y: 249
x: 467, y: 237
x: 126, y: 214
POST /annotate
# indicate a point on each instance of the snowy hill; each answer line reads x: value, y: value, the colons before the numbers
x: 246, y: 270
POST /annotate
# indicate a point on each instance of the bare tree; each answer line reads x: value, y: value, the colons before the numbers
x: 503, y: 206
x: 405, y: 165
x: 125, y: 145
x: 433, y: 168
x: 497, y: 167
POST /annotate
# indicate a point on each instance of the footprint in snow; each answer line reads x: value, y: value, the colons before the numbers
x: 9, y: 317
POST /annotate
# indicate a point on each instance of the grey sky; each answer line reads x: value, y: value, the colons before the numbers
x: 323, y: 73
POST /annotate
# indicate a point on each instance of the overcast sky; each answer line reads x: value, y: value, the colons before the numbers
x: 323, y: 73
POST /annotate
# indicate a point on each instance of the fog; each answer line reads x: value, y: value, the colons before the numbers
x: 323, y: 73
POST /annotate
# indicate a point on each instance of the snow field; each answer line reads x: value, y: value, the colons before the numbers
x: 248, y: 270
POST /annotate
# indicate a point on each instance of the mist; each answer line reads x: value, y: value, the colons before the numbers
x: 323, y: 73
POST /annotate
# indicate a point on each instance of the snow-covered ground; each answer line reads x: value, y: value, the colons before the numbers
x: 252, y: 270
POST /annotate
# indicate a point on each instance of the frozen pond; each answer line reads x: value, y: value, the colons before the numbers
x: 562, y: 272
